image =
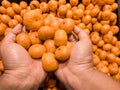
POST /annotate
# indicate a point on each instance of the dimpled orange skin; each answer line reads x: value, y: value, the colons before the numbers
x: 60, y: 37
x: 23, y: 40
x: 67, y: 25
x: 12, y: 23
x: 46, y: 32
x: 32, y: 20
x: 2, y: 29
x: 62, y: 53
x: 34, y: 38
x: 50, y: 45
x: 49, y: 62
x: 37, y: 50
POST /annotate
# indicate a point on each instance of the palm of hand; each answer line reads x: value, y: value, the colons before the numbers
x: 17, y: 61
x: 80, y: 59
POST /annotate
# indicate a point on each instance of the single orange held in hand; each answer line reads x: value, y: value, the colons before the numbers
x: 24, y: 40
x: 37, y: 50
x: 50, y: 45
x: 34, y: 37
x: 60, y: 37
x: 49, y: 62
x: 46, y: 32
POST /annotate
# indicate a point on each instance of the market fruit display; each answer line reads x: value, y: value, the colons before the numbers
x: 49, y: 23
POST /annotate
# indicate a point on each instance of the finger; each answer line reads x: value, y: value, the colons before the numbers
x: 10, y: 37
x: 72, y: 39
x: 81, y: 34
x: 24, y: 29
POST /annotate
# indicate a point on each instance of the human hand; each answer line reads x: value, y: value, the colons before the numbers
x: 80, y: 62
x: 19, y: 68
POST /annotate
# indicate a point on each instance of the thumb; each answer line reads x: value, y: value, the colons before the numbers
x: 83, y: 36
x: 10, y: 37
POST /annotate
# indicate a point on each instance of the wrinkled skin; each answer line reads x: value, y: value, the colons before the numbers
x: 79, y: 61
x: 18, y: 64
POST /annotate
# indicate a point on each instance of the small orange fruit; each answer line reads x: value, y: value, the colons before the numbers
x: 103, y: 55
x: 107, y: 7
x: 34, y: 4
x: 110, y: 1
x: 81, y: 6
x: 108, y: 38
x: 113, y: 68
x: 24, y: 40
x: 113, y: 16
x: 86, y: 19
x: 32, y: 20
x: 115, y: 50
x: 107, y: 47
x: 18, y: 18
x: 36, y: 50
x: 97, y: 26
x: 49, y: 62
x: 50, y: 45
x: 114, y: 41
x: 55, y: 24
x: 69, y: 14
x: 46, y: 32
x: 100, y: 43
x: 78, y: 13
x: 5, y: 18
x: 110, y: 57
x: 16, y: 7
x: 96, y: 59
x: 114, y: 29
x: 10, y: 12
x: 106, y: 15
x: 105, y: 28
x: 81, y: 25
x: 62, y: 53
x: 53, y: 5
x: 94, y: 12
x: 114, y: 6
x: 44, y: 7
x: 62, y: 9
x: 68, y: 5
x: 34, y: 38
x: 6, y: 3
x: 60, y: 37
x: 3, y: 10
x: 61, y: 2
x: 2, y: 29
x: 23, y: 11
x: 74, y: 2
x: 12, y: 23
x: 23, y: 4
x: 67, y: 25
x: 86, y: 2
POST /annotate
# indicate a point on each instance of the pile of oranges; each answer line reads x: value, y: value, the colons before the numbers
x: 48, y: 25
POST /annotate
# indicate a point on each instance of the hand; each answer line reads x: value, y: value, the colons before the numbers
x: 19, y: 67
x: 80, y: 61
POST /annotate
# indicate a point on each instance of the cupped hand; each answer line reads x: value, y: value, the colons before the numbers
x: 18, y: 65
x: 79, y: 62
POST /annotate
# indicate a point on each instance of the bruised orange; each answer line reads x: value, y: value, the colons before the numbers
x: 49, y: 62
x: 37, y: 50
x: 62, y: 53
x: 60, y: 37
x: 32, y: 20
x: 46, y: 32
x: 24, y: 40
